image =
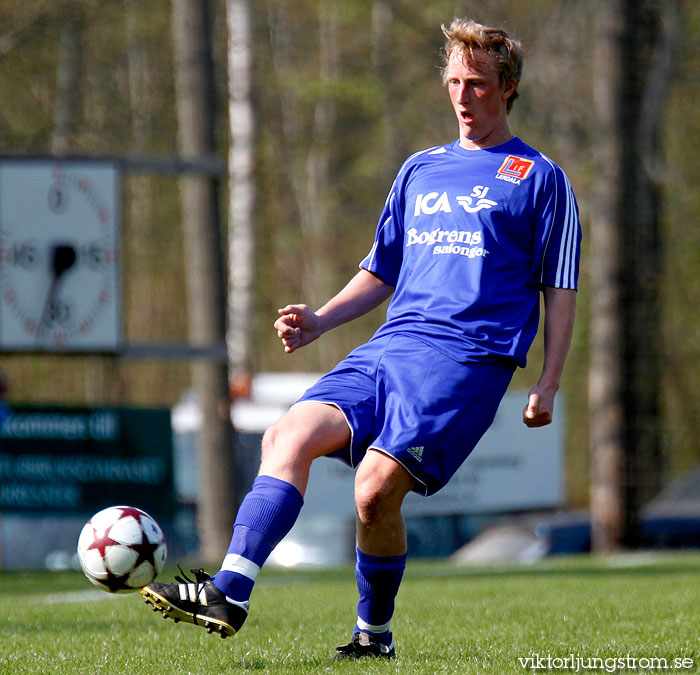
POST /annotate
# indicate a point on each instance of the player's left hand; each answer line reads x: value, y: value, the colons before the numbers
x: 297, y: 326
x: 540, y: 407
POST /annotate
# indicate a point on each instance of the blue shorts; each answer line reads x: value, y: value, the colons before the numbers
x: 405, y: 399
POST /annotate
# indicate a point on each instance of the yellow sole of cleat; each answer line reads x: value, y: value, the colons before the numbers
x: 161, y: 604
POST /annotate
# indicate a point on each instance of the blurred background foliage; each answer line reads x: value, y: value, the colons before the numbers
x: 344, y: 90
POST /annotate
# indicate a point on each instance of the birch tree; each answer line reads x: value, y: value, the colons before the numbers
x: 241, y: 188
x: 316, y: 188
x: 382, y: 21
x: 307, y: 143
x: 67, y: 79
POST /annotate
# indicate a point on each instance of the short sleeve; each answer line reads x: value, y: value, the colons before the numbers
x: 386, y: 255
x: 559, y: 235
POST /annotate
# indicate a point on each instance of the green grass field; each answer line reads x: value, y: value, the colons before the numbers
x: 448, y: 620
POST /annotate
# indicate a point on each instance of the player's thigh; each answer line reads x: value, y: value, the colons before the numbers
x: 308, y: 430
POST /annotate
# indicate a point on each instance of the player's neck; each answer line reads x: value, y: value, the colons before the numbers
x: 496, y: 137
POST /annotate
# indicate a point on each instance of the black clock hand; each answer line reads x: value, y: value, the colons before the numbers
x: 63, y: 257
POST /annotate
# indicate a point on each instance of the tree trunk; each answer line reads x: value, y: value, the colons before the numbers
x: 241, y: 189
x: 309, y: 155
x: 318, y: 278
x: 606, y: 367
x: 67, y: 80
x: 205, y: 274
x: 653, y: 30
x: 382, y: 23
x: 142, y: 303
x: 632, y: 62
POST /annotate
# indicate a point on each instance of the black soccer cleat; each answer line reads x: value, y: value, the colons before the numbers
x: 363, y: 646
x: 198, y: 602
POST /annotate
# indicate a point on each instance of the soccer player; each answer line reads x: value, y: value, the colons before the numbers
x: 471, y: 233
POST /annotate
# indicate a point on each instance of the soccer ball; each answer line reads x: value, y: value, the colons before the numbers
x: 121, y: 549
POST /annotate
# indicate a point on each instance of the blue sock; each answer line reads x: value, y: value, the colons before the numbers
x: 266, y: 515
x: 378, y: 580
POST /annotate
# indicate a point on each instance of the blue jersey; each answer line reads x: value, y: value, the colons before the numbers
x: 468, y: 238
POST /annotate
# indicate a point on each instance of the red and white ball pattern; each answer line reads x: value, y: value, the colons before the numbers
x: 121, y: 549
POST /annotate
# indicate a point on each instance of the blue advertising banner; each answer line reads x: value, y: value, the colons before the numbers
x: 80, y: 460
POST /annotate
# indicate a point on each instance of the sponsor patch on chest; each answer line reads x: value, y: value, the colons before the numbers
x: 515, y: 169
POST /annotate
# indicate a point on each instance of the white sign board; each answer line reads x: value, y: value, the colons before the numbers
x: 513, y: 468
x: 59, y: 255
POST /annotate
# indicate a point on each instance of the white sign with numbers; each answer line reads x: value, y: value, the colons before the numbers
x: 59, y: 255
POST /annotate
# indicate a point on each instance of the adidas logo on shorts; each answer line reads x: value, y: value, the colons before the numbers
x: 416, y: 452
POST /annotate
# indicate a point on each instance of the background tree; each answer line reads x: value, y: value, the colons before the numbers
x: 633, y: 59
x: 205, y: 275
x: 606, y: 372
x: 68, y: 89
x: 241, y: 159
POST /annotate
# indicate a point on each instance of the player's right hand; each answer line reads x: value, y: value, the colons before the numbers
x: 539, y: 408
x: 297, y: 326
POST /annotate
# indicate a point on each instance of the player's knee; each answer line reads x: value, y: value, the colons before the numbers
x: 380, y: 487
x: 374, y: 498
x: 284, y: 446
x: 368, y: 504
x: 276, y: 441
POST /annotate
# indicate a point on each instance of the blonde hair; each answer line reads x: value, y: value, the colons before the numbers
x: 466, y: 36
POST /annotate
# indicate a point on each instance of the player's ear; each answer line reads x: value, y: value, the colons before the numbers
x: 508, y: 89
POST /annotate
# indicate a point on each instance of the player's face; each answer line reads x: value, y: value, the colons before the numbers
x: 479, y: 100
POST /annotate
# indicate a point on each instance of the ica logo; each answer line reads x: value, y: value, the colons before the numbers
x: 432, y: 202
